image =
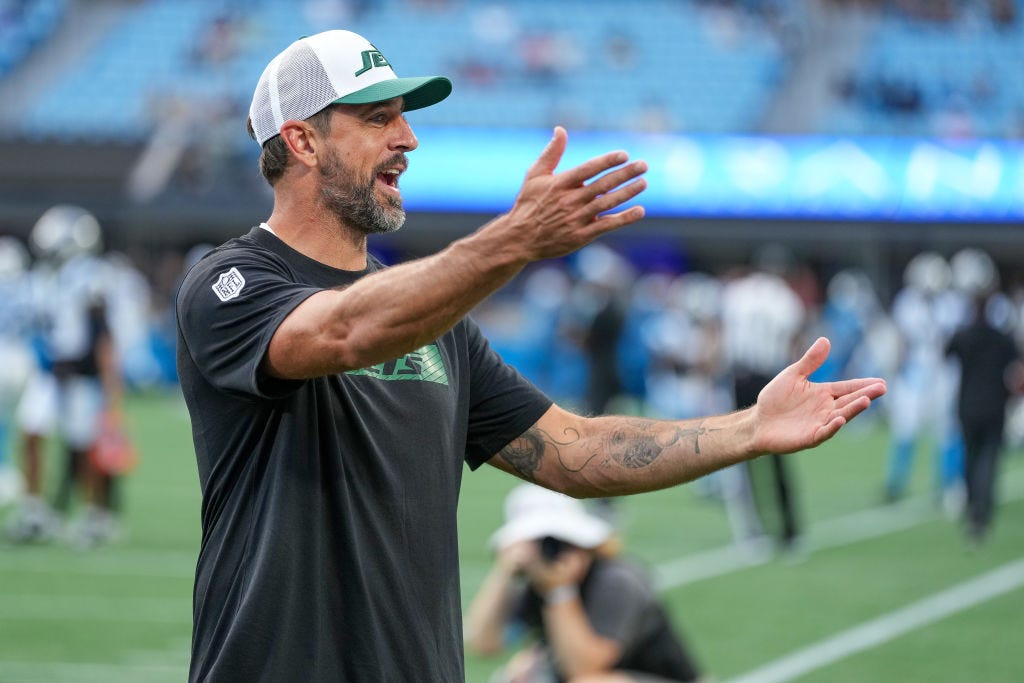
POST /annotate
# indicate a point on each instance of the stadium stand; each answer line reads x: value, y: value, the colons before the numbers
x: 946, y: 76
x: 520, y: 65
x: 23, y: 25
x: 702, y: 66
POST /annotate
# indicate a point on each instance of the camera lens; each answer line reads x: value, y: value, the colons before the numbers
x: 551, y: 547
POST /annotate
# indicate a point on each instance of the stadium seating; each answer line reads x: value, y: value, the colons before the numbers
x: 691, y: 66
x: 23, y: 25
x: 527, y: 64
x: 964, y: 76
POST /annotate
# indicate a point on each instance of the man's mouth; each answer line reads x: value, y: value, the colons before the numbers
x: 389, y: 177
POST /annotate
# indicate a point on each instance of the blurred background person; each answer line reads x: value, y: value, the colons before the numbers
x: 762, y: 320
x: 16, y: 354
x: 990, y: 370
x: 75, y: 382
x: 926, y: 311
x: 594, y: 319
x: 687, y: 373
x: 688, y: 376
x: 558, y: 575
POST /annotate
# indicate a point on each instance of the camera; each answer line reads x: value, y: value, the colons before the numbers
x: 551, y: 548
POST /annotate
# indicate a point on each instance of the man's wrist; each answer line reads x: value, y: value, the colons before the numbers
x: 559, y: 594
x: 744, y: 428
x: 492, y: 246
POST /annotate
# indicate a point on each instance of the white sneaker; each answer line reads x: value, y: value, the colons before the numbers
x: 11, y: 485
x: 34, y: 521
x: 954, y: 500
x: 94, y: 528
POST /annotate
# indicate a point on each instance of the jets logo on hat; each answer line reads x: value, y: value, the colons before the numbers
x: 372, y: 58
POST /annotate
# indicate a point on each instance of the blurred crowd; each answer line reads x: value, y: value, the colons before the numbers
x: 599, y: 331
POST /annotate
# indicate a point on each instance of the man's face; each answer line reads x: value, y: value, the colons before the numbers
x: 360, y: 169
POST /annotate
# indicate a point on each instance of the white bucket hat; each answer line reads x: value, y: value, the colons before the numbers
x: 333, y: 67
x: 532, y: 512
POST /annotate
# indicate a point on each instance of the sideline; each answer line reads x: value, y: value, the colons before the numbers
x: 890, y: 626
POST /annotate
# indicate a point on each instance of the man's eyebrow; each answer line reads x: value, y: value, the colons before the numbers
x: 388, y: 104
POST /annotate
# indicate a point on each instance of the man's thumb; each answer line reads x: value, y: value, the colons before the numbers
x: 813, y: 358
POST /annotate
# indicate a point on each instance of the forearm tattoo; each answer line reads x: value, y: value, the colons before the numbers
x: 640, y: 442
x: 634, y: 444
x: 525, y: 453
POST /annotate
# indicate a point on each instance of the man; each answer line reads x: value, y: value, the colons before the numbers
x: 990, y: 371
x: 558, y: 574
x: 15, y: 317
x: 334, y: 401
x: 926, y: 311
x: 76, y: 380
x: 762, y: 318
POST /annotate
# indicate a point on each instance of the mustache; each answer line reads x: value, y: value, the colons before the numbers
x: 397, y: 159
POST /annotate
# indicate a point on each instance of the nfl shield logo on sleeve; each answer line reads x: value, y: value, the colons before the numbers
x: 228, y: 285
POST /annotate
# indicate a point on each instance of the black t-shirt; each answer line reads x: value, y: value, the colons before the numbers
x: 329, y: 547
x: 985, y: 354
x: 621, y: 605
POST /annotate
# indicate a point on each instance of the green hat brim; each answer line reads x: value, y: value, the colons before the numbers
x: 419, y: 92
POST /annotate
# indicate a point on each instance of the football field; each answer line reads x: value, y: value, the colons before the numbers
x: 881, y: 593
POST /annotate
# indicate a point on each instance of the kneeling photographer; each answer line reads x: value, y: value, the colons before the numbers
x: 587, y: 613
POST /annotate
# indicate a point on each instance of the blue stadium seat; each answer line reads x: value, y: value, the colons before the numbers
x: 701, y: 84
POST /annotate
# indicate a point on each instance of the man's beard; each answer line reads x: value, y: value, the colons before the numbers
x: 357, y: 205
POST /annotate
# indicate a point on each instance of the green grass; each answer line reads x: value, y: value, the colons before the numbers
x: 122, y: 613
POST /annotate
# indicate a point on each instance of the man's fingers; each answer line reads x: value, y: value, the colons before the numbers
x: 872, y: 387
x: 609, y: 181
x: 579, y: 175
x: 845, y: 400
x: 613, y: 221
x: 548, y: 160
x: 827, y: 431
x: 854, y: 408
x: 611, y: 200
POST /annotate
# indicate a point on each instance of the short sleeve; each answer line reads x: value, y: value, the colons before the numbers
x: 228, y: 308
x: 503, y: 403
x: 616, y: 603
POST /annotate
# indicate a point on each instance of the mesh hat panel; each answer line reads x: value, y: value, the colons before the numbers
x: 303, y: 86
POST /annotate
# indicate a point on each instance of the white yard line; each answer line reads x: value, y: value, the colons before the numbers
x: 890, y: 626
x: 833, y: 533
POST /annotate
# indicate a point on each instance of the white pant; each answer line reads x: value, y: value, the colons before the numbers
x: 73, y: 407
x: 16, y: 365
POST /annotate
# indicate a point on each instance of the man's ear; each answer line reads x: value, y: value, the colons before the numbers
x: 302, y: 142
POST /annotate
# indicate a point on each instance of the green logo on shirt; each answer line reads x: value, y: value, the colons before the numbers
x: 423, y: 364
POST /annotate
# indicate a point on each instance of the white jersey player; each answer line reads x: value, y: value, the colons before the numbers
x: 65, y: 396
x: 16, y: 353
x: 921, y: 396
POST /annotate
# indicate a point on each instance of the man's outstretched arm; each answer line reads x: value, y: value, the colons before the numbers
x: 616, y: 455
x: 395, y: 310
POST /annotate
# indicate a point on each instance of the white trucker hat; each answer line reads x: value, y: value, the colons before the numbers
x: 533, y: 512
x: 333, y: 67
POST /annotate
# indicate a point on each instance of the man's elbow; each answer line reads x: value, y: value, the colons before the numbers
x: 484, y: 646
